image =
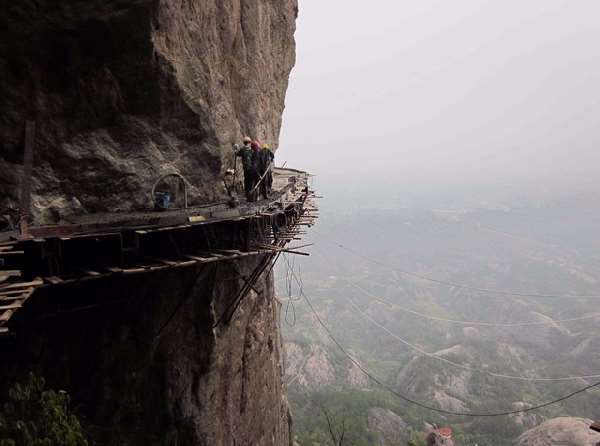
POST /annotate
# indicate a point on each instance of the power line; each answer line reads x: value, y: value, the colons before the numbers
x: 469, y: 323
x: 461, y: 285
x: 426, y: 406
x: 461, y: 366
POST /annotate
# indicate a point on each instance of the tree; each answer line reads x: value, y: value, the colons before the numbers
x: 336, y: 434
x: 33, y: 416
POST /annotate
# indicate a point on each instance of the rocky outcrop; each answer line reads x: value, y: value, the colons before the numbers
x: 561, y: 431
x: 389, y: 427
x: 356, y: 377
x: 311, y: 369
x: 123, y: 91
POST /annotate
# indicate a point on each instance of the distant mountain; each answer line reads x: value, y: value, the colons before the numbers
x: 387, y: 296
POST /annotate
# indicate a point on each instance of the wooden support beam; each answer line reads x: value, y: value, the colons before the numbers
x: 229, y: 252
x: 133, y: 270
x: 211, y: 254
x: 11, y: 306
x: 13, y: 298
x: 202, y: 259
x: 12, y: 293
x: 15, y: 285
x: 6, y: 315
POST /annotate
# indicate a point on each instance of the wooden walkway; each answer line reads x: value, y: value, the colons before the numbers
x: 63, y: 255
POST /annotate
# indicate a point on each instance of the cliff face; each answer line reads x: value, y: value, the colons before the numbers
x: 123, y: 91
x: 144, y: 366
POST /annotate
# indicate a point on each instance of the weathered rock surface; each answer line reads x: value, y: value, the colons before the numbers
x: 310, y: 368
x: 123, y: 91
x: 561, y: 431
x: 389, y: 427
x: 145, y: 367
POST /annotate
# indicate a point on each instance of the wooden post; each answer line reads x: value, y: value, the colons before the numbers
x: 26, y: 180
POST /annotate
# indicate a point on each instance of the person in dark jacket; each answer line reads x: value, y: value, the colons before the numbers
x: 246, y: 154
x: 256, y: 169
x: 269, y: 157
x: 262, y: 166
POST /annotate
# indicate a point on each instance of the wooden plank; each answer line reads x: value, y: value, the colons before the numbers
x: 12, y: 253
x: 53, y: 280
x: 114, y: 269
x: 3, y: 330
x: 6, y: 315
x: 91, y: 273
x: 230, y: 252
x: 167, y: 262
x: 7, y: 294
x: 4, y: 274
x: 15, y: 285
x: 13, y: 306
x: 203, y: 259
x: 157, y: 267
x: 133, y: 270
x: 13, y: 298
x: 211, y: 254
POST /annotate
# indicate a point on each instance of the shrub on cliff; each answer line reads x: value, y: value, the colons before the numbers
x: 33, y: 416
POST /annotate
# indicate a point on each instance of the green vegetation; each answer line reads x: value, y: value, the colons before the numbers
x: 33, y: 416
x: 459, y: 250
x: 347, y: 409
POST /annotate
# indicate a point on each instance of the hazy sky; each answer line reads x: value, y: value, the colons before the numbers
x: 446, y: 92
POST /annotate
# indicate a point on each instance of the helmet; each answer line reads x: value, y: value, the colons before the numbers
x: 247, y: 139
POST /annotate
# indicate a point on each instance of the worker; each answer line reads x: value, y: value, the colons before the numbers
x: 245, y: 152
x: 256, y: 169
x: 262, y: 166
x: 270, y: 157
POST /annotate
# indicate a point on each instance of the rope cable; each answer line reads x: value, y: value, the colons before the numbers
x: 426, y: 406
x: 460, y: 285
x: 462, y: 366
x: 461, y: 322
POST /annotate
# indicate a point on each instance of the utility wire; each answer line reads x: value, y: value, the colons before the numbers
x: 461, y: 366
x: 426, y: 406
x: 460, y: 285
x: 461, y: 322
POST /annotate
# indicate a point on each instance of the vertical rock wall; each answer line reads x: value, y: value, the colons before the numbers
x: 123, y: 91
x: 144, y: 366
